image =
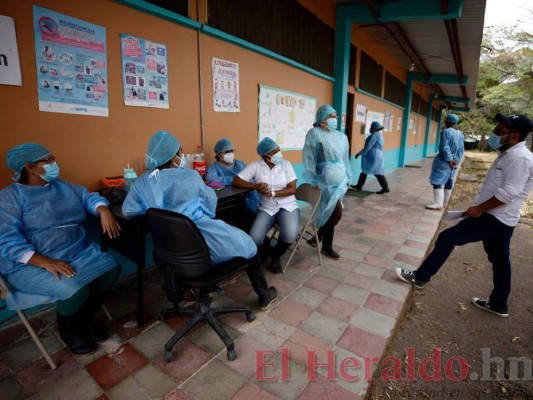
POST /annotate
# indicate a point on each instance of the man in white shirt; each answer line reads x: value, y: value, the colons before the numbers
x: 493, y: 216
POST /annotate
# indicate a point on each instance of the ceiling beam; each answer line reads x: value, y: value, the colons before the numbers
x: 439, y: 78
x: 453, y: 99
x: 403, y: 10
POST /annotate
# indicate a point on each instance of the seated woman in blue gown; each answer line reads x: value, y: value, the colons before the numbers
x: 45, y: 254
x: 170, y: 186
x: 226, y: 168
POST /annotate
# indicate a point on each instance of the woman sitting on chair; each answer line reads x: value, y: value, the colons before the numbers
x: 168, y: 185
x: 45, y: 254
x: 275, y: 180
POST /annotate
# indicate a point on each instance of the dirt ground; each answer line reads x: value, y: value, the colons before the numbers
x: 496, y: 353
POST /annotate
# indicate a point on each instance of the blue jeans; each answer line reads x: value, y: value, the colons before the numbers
x: 496, y: 238
x: 288, y: 222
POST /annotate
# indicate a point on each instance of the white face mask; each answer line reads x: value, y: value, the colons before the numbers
x: 229, y: 157
x: 276, y: 158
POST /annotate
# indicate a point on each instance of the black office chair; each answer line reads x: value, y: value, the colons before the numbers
x: 181, y: 252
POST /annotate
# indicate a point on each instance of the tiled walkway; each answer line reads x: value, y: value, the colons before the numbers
x: 335, y: 316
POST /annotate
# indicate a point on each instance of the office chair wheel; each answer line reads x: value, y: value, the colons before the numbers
x: 168, y: 356
x: 232, y: 355
x: 250, y: 316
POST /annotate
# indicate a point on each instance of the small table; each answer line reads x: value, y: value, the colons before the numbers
x: 231, y: 208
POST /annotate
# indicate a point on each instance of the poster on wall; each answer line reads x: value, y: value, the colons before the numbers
x: 144, y: 72
x: 71, y: 64
x: 387, y: 126
x: 225, y: 86
x: 360, y: 113
x: 399, y: 124
x: 9, y: 55
x: 372, y: 116
x: 285, y: 116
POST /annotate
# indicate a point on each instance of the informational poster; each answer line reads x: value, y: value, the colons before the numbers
x: 9, y: 55
x: 360, y: 113
x: 372, y: 116
x: 144, y: 72
x: 225, y: 86
x: 387, y: 126
x: 71, y: 64
x: 285, y: 117
x: 399, y: 124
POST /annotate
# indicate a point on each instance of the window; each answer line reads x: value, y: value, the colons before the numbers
x: 178, y: 6
x: 353, y: 62
x: 371, y: 75
x: 394, y: 89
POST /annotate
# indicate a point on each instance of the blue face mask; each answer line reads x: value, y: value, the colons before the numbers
x: 183, y: 162
x: 51, y: 172
x: 332, y: 123
x: 276, y: 158
x: 494, y: 141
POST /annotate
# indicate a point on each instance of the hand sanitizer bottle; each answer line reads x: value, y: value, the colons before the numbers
x: 129, y: 176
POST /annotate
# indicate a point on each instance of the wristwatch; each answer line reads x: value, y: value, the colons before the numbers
x: 272, y: 194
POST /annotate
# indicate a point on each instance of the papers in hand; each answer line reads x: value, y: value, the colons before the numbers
x: 454, y: 215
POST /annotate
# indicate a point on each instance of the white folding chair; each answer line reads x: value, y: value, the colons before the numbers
x: 306, y: 193
x: 4, y: 290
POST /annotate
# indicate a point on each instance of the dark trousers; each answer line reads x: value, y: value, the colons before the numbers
x: 496, y: 238
x: 326, y: 231
x: 381, y: 180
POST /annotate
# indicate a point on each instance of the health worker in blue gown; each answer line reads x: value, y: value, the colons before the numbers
x: 225, y: 169
x: 446, y: 163
x: 327, y: 166
x: 168, y: 185
x: 372, y: 159
x: 45, y: 254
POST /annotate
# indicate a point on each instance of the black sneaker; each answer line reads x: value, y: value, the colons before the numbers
x: 356, y: 187
x: 409, y: 277
x: 331, y: 254
x: 383, y: 191
x: 484, y: 304
x: 266, y: 303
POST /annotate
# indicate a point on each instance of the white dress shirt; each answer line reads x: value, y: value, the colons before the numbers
x: 510, y: 180
x: 277, y: 178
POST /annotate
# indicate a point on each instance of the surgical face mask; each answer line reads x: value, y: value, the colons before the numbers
x: 182, y: 164
x: 494, y: 141
x: 332, y: 123
x: 51, y: 172
x: 276, y: 158
x: 229, y: 157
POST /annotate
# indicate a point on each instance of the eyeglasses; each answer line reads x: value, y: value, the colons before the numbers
x: 47, y: 160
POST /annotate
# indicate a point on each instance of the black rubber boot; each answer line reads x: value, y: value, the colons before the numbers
x: 383, y: 183
x: 327, y: 245
x: 360, y: 182
x: 257, y: 277
x: 94, y: 328
x: 71, y: 332
x: 277, y: 252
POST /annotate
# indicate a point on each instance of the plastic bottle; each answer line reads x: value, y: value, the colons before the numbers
x: 198, y: 162
x: 129, y: 176
x: 188, y: 158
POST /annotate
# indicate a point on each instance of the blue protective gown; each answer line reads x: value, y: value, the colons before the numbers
x: 183, y: 191
x: 218, y: 172
x: 451, y: 147
x: 327, y: 165
x: 48, y: 220
x: 372, y: 155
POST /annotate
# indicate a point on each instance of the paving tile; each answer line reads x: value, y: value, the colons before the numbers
x: 307, y: 297
x: 384, y: 305
x: 296, y: 275
x: 26, y: 352
x: 353, y: 255
x: 147, y: 383
x: 360, y: 280
x: 362, y: 343
x: 290, y: 312
x: 373, y: 322
x: 321, y: 283
x: 16, y: 332
x: 284, y: 286
x: 337, y: 308
x: 397, y: 291
x: 237, y: 289
x: 272, y: 333
x: 10, y: 390
x: 416, y: 245
x: 377, y: 261
x: 188, y: 358
x: 126, y: 326
x: 369, y: 270
x: 350, y: 294
x: 214, y: 381
x: 323, y: 326
x: 250, y: 353
x: 151, y: 342
x: 178, y: 394
x: 332, y: 272
x: 38, y: 375
x: 78, y: 385
x: 111, y: 345
x: 305, y: 348
x: 284, y: 382
x: 253, y: 391
x: 415, y: 261
x: 103, y: 396
x: 207, y: 338
x: 111, y: 369
x: 321, y: 389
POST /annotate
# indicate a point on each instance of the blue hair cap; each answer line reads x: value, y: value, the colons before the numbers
x: 24, y: 153
x: 322, y: 113
x: 454, y: 119
x: 376, y: 125
x: 223, y: 144
x: 161, y: 148
x: 266, y: 146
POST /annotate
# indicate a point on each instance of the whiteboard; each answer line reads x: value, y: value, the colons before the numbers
x: 285, y: 117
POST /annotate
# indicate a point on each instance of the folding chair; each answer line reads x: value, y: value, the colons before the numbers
x: 306, y: 193
x: 4, y: 290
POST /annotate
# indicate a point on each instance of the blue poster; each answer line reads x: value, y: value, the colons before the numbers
x: 71, y: 64
x: 144, y: 72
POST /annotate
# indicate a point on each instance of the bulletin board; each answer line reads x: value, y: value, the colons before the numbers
x: 285, y: 116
